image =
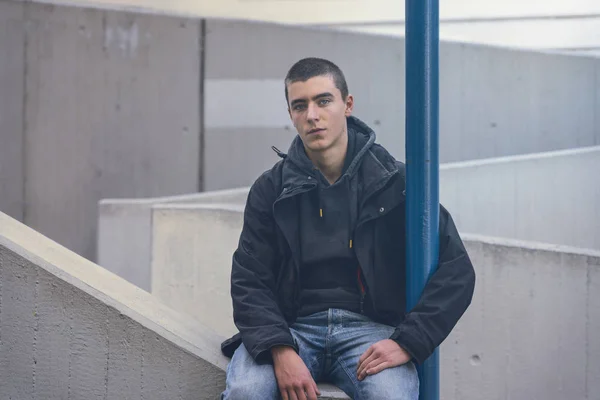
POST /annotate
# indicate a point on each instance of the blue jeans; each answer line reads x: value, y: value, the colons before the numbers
x: 330, y: 343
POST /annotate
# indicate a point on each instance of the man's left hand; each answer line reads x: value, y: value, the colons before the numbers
x: 381, y: 355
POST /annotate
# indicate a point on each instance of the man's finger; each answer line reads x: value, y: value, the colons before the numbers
x: 365, y: 355
x: 363, y: 365
x: 317, y: 391
x: 376, y: 367
x: 369, y: 367
x: 372, y: 370
x: 300, y: 394
x: 292, y: 394
x: 284, y: 394
x: 311, y: 392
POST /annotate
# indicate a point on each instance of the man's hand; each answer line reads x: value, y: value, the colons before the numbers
x: 381, y: 355
x: 293, y: 378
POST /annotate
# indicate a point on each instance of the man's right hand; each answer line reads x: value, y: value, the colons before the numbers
x: 293, y: 378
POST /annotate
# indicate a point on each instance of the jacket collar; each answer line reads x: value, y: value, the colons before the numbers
x: 377, y: 166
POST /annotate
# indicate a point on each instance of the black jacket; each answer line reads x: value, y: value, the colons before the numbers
x: 265, y: 271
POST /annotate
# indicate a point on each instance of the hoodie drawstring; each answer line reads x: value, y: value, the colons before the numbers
x: 279, y: 152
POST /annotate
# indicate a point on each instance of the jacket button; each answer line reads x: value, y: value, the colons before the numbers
x: 381, y: 209
x: 309, y: 177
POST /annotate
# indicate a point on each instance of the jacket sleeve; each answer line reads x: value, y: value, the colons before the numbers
x: 256, y: 312
x: 445, y: 297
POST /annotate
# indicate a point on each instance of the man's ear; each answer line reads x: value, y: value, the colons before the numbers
x: 349, y: 105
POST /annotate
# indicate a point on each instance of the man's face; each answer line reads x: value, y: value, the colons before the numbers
x: 318, y: 112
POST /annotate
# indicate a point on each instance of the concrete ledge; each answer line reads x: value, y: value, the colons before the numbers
x: 71, y: 329
x: 124, y: 231
x: 551, y: 197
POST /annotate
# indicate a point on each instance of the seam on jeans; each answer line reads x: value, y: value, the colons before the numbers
x: 353, y: 379
x: 320, y: 361
x: 313, y: 362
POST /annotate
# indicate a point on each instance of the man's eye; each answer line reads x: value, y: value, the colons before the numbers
x: 324, y: 102
x: 299, y: 107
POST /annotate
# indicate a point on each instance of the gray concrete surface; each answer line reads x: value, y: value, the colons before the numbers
x: 70, y: 329
x: 192, y: 246
x: 530, y: 333
x: 550, y: 197
x: 98, y: 104
x: 493, y: 101
x: 124, y: 231
x: 135, y: 105
x: 12, y: 72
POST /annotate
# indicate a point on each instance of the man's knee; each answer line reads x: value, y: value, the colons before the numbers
x: 399, y: 383
x: 248, y: 380
x: 252, y: 390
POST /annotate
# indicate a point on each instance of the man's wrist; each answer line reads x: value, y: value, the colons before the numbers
x: 277, y: 351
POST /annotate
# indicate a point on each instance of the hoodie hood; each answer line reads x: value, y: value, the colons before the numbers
x: 360, y: 139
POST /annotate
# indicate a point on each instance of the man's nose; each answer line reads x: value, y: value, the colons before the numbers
x: 312, y: 113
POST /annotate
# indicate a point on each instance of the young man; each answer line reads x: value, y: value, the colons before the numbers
x: 318, y: 280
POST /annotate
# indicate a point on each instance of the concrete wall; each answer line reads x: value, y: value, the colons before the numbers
x: 530, y: 333
x: 192, y: 248
x: 12, y: 71
x: 70, y: 329
x: 94, y: 104
x: 124, y: 231
x: 104, y: 105
x: 493, y: 102
x: 551, y: 198
x: 548, y: 197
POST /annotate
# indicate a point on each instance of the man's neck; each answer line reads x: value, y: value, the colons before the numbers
x: 331, y: 161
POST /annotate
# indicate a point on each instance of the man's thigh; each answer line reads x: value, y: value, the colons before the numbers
x: 354, y: 336
x: 248, y: 380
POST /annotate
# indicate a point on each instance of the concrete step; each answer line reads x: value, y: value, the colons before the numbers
x: 329, y: 391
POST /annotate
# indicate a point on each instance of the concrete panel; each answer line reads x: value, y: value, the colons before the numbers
x: 113, y: 111
x: 514, y: 197
x: 514, y: 104
x: 12, y: 80
x: 511, y: 340
x: 124, y: 229
x: 593, y: 339
x: 71, y: 329
x: 125, y: 355
x: 551, y: 197
x: 529, y: 333
x: 493, y: 101
x: 124, y: 242
x: 192, y: 248
x: 17, y: 328
x: 54, y: 337
x: 597, y: 102
x: 248, y: 154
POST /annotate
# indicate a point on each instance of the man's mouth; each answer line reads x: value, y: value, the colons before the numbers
x: 315, y: 130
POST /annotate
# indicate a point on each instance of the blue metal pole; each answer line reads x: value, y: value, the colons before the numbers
x: 422, y: 163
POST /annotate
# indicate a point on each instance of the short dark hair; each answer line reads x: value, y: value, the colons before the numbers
x: 310, y: 67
